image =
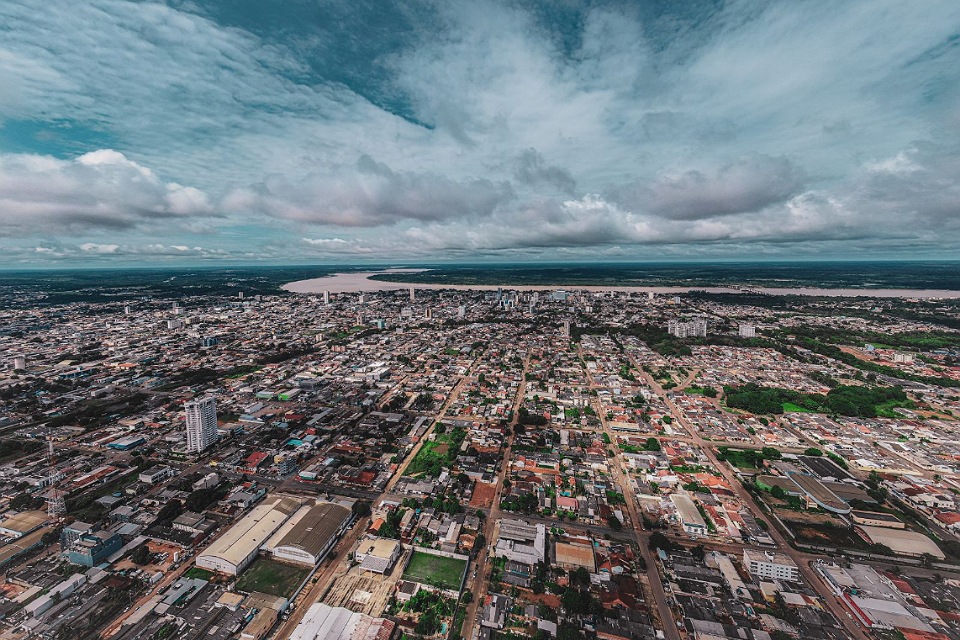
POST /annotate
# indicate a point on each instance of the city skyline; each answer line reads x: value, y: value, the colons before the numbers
x: 289, y: 133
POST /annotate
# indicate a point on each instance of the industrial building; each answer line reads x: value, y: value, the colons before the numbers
x: 310, y: 533
x: 232, y: 552
x: 323, y: 622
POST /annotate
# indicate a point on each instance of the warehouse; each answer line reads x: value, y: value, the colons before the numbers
x: 237, y: 548
x: 575, y: 556
x: 907, y: 543
x: 312, y: 535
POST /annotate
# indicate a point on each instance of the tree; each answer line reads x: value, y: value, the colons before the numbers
x: 698, y: 552
x: 614, y: 522
x: 813, y: 451
x: 652, y: 444
x: 141, y: 555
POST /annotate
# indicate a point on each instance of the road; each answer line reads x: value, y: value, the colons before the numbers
x: 664, y: 613
x: 480, y: 582
x: 802, y: 560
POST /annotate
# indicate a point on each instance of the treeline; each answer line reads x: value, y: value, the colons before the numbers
x: 844, y: 400
x: 834, y: 352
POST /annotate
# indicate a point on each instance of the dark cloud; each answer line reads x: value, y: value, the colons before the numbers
x: 533, y: 170
x: 750, y: 184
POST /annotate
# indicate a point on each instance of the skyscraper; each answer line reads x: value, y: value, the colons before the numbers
x: 201, y: 423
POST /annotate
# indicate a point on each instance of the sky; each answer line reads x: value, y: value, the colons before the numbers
x: 325, y: 131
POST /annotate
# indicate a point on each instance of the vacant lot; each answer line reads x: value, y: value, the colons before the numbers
x: 435, y: 570
x: 271, y: 577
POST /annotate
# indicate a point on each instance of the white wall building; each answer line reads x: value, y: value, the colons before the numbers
x: 201, y: 423
x: 775, y: 566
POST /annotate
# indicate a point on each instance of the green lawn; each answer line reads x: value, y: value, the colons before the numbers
x: 271, y: 577
x: 435, y: 570
x: 789, y: 407
x: 197, y: 572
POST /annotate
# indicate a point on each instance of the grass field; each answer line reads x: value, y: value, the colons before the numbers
x: 789, y: 407
x: 197, y: 572
x: 435, y: 570
x: 274, y: 578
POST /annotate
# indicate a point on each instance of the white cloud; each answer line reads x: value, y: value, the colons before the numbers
x: 100, y: 189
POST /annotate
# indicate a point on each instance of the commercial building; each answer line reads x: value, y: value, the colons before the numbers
x: 232, y: 552
x: 308, y: 536
x: 690, y: 519
x: 378, y: 555
x: 772, y: 566
x: 521, y: 542
x: 201, y: 423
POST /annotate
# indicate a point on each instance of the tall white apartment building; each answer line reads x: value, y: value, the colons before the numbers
x: 696, y: 328
x: 201, y: 423
x: 748, y: 331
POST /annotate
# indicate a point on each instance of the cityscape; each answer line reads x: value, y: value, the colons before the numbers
x: 479, y: 320
x: 481, y: 463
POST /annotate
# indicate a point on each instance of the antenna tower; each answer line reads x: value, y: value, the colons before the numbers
x: 56, y: 505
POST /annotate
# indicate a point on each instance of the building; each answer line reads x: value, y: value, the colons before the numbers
x: 19, y: 362
x: 696, y: 328
x: 312, y: 534
x: 769, y: 565
x: 157, y: 474
x: 93, y: 548
x: 748, y: 331
x: 378, y: 555
x: 690, y: 519
x: 232, y: 552
x: 575, y: 556
x: 900, y: 541
x: 201, y: 423
x: 72, y: 532
x: 521, y: 542
x: 323, y: 622
x: 127, y: 442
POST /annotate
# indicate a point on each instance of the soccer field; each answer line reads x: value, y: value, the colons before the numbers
x: 435, y: 570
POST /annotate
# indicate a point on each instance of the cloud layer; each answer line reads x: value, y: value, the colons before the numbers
x: 456, y: 129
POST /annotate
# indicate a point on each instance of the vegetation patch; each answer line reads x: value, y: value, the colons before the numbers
x: 844, y: 400
x: 437, y: 571
x: 272, y: 577
x: 438, y: 453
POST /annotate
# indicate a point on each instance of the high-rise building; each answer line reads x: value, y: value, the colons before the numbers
x: 19, y: 362
x: 413, y: 295
x: 201, y: 423
x: 748, y: 331
x: 696, y: 328
x: 566, y: 328
x: 326, y: 297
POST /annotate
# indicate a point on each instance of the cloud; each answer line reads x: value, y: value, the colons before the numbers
x: 749, y: 184
x: 372, y: 194
x: 100, y: 189
x: 533, y: 170
x: 482, y: 126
